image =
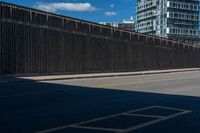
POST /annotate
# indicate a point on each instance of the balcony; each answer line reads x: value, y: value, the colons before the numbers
x: 182, y: 31
x: 146, y: 24
x: 183, y: 16
x: 147, y: 15
x: 183, y: 6
x: 146, y: 6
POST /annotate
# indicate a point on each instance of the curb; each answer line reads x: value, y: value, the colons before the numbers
x: 21, y: 80
x: 116, y: 75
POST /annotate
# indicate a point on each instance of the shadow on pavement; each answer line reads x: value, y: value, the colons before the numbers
x: 34, y: 106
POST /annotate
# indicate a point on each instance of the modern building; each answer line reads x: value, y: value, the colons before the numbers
x: 173, y: 19
x: 128, y: 24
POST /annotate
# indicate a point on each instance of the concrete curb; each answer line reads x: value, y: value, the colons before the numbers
x: 97, y: 75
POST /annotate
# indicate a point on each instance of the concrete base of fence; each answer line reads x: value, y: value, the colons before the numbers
x: 11, y: 79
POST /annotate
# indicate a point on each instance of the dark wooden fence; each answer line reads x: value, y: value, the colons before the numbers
x: 36, y: 42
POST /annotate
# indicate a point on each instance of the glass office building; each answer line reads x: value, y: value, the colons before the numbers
x: 173, y: 19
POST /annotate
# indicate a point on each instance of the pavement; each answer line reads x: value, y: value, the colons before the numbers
x: 10, y: 78
x: 153, y: 103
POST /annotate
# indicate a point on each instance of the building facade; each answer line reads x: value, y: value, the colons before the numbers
x: 173, y: 19
x: 127, y: 24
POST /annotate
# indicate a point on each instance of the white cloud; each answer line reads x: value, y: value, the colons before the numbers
x: 54, y: 7
x: 112, y: 5
x: 110, y: 14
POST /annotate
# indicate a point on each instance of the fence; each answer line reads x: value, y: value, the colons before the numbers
x: 36, y: 42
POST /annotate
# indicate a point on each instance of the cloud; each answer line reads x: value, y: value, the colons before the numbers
x: 112, y: 5
x: 110, y: 14
x: 56, y: 6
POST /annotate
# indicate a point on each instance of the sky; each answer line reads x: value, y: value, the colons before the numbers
x: 90, y: 10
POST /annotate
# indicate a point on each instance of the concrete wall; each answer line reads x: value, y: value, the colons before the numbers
x: 36, y: 42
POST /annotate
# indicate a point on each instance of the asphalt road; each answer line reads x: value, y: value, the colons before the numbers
x: 167, y: 103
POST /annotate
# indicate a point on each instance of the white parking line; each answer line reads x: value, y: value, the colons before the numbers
x: 151, y: 116
x: 153, y: 122
x: 170, y: 108
x: 128, y: 113
x: 88, y: 121
x: 98, y: 128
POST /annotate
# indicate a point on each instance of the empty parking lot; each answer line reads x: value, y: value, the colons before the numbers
x: 147, y: 103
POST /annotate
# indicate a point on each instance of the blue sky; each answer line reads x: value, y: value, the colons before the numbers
x: 91, y: 10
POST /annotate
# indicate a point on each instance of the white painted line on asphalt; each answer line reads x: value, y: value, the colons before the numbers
x: 153, y: 122
x: 161, y: 107
x: 151, y: 116
x: 97, y: 128
x: 128, y: 113
x: 89, y: 121
x: 140, y: 109
x: 170, y: 108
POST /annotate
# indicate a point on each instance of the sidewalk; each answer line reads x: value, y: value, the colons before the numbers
x: 10, y: 79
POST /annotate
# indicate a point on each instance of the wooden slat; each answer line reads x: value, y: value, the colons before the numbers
x: 34, y: 42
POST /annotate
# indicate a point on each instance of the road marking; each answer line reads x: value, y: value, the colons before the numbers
x: 153, y: 122
x: 170, y: 108
x: 88, y: 121
x: 141, y: 82
x: 97, y: 128
x: 128, y: 113
x: 151, y: 116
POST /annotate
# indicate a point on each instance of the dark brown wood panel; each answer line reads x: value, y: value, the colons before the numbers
x: 36, y: 42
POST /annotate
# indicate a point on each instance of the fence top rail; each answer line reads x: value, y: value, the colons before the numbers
x: 95, y: 24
